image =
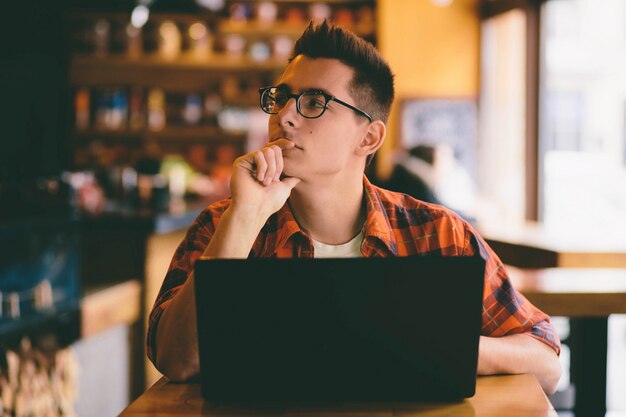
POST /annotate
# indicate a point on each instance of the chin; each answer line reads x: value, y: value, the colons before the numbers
x: 290, y: 173
x: 293, y: 170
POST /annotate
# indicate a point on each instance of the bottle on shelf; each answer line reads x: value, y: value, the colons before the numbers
x: 170, y: 40
x: 134, y: 41
x: 81, y: 108
x: 136, y: 120
x: 200, y: 40
x: 101, y: 37
x: 103, y: 108
x: 239, y: 13
x: 156, y: 109
x: 192, y: 112
x: 119, y: 110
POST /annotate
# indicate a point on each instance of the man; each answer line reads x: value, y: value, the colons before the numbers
x: 305, y: 195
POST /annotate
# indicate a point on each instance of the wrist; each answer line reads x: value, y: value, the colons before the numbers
x: 235, y: 234
x: 246, y: 215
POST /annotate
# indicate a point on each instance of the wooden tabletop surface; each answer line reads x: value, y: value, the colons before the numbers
x: 513, y: 395
x: 573, y: 292
x: 531, y: 245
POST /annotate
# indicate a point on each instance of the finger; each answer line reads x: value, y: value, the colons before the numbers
x: 261, y: 165
x: 270, y: 159
x: 279, y: 162
x: 282, y: 143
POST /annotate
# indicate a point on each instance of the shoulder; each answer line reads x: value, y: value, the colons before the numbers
x: 404, y: 205
x: 422, y: 227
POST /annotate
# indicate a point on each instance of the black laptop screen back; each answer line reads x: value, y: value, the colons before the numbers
x: 383, y: 329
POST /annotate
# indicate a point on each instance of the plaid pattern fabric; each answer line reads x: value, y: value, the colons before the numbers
x: 396, y: 225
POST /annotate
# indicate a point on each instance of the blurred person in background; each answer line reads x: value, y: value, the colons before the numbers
x: 431, y: 173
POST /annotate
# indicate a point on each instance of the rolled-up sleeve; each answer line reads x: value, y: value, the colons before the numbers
x: 189, y: 250
x: 506, y: 311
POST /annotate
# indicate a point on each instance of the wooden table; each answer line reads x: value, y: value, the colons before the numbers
x: 573, y: 292
x: 534, y: 246
x: 497, y: 396
x: 588, y: 297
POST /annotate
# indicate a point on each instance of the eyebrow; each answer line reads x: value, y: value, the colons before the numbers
x: 306, y: 89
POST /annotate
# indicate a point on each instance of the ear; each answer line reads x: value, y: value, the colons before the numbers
x: 373, y: 138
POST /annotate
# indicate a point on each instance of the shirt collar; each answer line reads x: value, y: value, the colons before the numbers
x: 377, y: 225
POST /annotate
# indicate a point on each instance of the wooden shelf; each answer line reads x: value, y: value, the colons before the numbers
x: 170, y: 133
x: 256, y: 29
x: 157, y: 16
x: 346, y: 2
x: 185, y: 73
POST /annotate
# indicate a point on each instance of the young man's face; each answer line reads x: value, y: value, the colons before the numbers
x: 326, y: 145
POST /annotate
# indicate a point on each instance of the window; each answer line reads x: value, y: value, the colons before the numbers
x: 582, y: 135
x: 502, y: 125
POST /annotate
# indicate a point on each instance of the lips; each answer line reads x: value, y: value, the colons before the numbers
x: 289, y: 139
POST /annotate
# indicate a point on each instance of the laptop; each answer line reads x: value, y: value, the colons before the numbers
x: 325, y: 330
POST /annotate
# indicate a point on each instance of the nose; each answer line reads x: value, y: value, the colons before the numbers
x: 288, y: 115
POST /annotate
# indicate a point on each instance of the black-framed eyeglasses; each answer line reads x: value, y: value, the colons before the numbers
x: 310, y: 103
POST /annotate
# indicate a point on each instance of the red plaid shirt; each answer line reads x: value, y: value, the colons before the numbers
x: 396, y: 225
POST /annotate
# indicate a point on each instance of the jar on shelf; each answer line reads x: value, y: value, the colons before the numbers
x: 365, y: 21
x: 295, y: 17
x: 234, y: 45
x: 282, y: 46
x: 266, y: 12
x: 318, y: 12
x: 260, y: 51
x: 344, y: 17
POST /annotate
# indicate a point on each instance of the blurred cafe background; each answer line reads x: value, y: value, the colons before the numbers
x: 120, y: 120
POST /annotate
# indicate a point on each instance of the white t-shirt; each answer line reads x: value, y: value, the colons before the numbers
x: 351, y: 249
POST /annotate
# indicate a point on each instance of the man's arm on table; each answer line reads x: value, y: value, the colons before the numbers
x: 517, y: 337
x: 519, y: 354
x: 255, y: 197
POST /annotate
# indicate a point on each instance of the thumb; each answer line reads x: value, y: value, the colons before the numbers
x: 291, y: 182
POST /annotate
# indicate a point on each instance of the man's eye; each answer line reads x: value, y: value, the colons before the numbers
x: 315, y: 102
x: 281, y: 98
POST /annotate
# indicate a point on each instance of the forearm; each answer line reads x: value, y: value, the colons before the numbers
x: 176, y: 337
x: 519, y: 354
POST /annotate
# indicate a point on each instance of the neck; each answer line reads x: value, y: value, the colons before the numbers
x: 332, y: 213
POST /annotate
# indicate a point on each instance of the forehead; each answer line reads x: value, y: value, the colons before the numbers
x: 328, y: 74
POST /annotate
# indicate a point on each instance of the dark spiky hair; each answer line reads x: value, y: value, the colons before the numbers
x: 372, y: 84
